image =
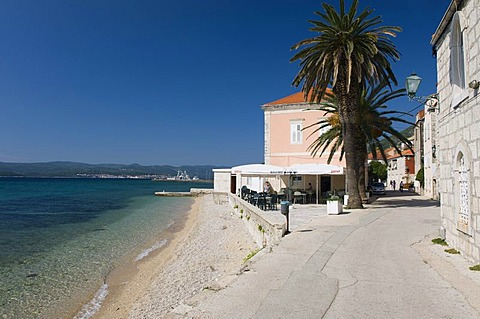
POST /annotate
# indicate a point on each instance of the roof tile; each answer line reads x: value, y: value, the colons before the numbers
x: 296, y: 98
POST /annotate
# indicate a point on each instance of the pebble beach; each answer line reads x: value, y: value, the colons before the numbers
x: 204, y: 252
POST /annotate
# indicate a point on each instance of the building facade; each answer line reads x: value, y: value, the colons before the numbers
x: 430, y: 187
x: 286, y: 139
x: 456, y: 43
x: 286, y: 142
x: 418, y: 146
x: 400, y: 167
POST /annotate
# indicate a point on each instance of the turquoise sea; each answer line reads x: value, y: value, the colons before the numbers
x: 59, y: 238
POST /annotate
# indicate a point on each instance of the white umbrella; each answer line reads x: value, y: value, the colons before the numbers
x: 316, y: 169
x: 259, y: 170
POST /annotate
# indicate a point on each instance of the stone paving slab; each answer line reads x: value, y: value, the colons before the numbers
x: 371, y: 263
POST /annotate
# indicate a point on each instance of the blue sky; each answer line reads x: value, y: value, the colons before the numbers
x: 165, y: 82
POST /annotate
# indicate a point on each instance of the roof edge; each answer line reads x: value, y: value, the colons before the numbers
x: 452, y: 8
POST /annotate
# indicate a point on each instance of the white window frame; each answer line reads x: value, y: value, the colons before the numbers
x: 296, y: 134
x: 394, y: 164
x: 323, y: 130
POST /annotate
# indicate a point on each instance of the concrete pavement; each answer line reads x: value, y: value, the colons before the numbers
x: 373, y: 263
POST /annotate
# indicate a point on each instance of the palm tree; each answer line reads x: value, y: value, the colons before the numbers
x: 377, y: 124
x: 349, y: 52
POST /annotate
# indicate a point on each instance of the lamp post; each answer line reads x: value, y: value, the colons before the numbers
x: 431, y: 101
x: 411, y: 84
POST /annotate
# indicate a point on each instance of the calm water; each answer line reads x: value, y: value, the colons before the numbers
x: 60, y: 237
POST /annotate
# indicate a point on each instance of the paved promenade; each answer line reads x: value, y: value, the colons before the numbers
x: 373, y: 263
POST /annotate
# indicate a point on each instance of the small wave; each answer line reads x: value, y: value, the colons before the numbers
x: 94, y: 305
x: 147, y: 251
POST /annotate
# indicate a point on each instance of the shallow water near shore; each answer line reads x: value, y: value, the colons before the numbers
x: 59, y: 238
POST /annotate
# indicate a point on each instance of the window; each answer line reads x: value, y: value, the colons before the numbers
x: 324, y: 127
x: 394, y: 164
x: 297, y: 181
x: 457, y: 61
x: 295, y: 132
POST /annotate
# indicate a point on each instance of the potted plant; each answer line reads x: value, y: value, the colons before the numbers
x: 334, y: 205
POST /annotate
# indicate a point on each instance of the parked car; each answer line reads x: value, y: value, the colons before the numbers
x: 378, y: 188
x: 409, y: 187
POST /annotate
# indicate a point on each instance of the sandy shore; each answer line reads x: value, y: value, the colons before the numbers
x: 206, y: 249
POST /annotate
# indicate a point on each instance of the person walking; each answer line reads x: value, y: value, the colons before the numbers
x: 401, y: 186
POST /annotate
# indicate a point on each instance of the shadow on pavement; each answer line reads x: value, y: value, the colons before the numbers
x: 403, y: 199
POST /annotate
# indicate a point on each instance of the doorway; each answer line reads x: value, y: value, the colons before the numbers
x: 233, y: 184
x: 325, y: 185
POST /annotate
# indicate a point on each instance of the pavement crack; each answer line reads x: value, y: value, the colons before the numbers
x: 333, y: 299
x: 355, y: 281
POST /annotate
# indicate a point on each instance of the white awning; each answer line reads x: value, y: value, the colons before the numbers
x: 315, y: 169
x: 258, y: 170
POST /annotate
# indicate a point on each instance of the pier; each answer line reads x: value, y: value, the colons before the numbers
x: 194, y: 192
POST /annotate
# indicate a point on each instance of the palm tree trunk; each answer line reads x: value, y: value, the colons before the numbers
x: 353, y: 140
x: 354, y: 164
x: 362, y: 183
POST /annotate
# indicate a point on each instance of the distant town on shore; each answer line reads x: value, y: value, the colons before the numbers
x: 84, y: 170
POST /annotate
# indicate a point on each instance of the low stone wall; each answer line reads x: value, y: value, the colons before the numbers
x: 266, y: 227
x: 194, y: 192
x: 220, y: 198
x: 200, y: 191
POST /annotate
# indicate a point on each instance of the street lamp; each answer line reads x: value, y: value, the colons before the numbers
x: 411, y: 84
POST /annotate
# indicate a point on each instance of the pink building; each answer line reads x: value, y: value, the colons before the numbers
x: 286, y: 147
x: 286, y: 142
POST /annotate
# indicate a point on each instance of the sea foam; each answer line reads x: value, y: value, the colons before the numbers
x: 147, y: 251
x: 94, y: 305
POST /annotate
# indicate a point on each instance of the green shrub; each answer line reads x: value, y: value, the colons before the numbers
x: 475, y: 268
x: 439, y: 241
x: 452, y: 251
x: 334, y: 197
x: 420, y: 176
x: 251, y: 254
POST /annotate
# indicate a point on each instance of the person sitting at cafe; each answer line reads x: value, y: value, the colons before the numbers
x: 267, y: 188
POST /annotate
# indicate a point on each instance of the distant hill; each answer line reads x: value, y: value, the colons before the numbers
x: 408, y: 132
x: 73, y: 169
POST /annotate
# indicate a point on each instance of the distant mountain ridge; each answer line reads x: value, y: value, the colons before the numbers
x: 73, y: 169
x: 408, y: 132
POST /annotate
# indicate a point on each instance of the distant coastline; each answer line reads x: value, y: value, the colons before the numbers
x: 119, y: 171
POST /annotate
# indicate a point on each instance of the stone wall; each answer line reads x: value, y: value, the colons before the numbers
x: 458, y: 135
x: 221, y: 180
x: 266, y: 227
x: 430, y: 187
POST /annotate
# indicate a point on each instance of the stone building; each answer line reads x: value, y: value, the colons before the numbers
x: 400, y: 167
x: 456, y: 43
x: 289, y: 129
x: 430, y: 172
x: 418, y: 146
x: 287, y: 136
